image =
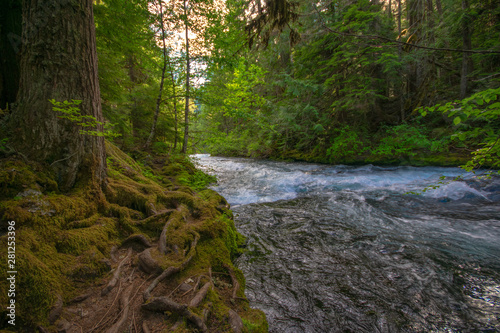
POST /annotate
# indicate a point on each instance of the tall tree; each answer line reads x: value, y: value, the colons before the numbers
x: 467, y: 45
x: 162, y: 78
x: 188, y: 70
x: 59, y: 61
x: 10, y: 31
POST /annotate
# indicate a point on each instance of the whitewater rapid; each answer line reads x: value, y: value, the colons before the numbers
x: 366, y: 249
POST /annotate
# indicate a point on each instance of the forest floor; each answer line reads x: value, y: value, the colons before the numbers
x: 152, y: 252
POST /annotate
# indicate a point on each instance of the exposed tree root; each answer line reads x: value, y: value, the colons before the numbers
x: 200, y: 295
x: 234, y: 281
x: 172, y: 270
x: 155, y: 217
x: 124, y: 306
x: 162, y: 242
x: 166, y: 273
x: 137, y: 239
x: 116, y: 275
x: 147, y: 263
x: 162, y: 304
x: 80, y: 298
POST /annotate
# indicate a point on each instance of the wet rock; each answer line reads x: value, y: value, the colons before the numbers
x: 35, y: 202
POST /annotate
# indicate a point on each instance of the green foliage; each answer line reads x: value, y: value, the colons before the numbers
x: 476, y: 119
x: 160, y: 147
x: 3, y: 143
x: 91, y: 126
x: 197, y: 180
x: 346, y: 143
x: 405, y: 140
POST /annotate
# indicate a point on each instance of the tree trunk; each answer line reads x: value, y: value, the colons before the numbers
x: 186, y: 110
x: 400, y: 54
x: 10, y: 43
x: 176, y: 122
x: 59, y: 61
x: 162, y: 79
x: 467, y: 45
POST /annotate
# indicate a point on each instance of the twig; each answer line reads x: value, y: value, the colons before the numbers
x: 63, y: 159
x: 116, y: 297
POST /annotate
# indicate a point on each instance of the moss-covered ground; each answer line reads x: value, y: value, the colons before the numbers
x: 68, y: 247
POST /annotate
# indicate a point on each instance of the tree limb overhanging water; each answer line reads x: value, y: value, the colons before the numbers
x: 339, y: 248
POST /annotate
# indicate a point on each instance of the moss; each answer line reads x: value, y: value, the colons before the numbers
x: 90, y: 265
x: 62, y: 240
x: 232, y: 238
x: 84, y: 223
x: 16, y: 176
x: 77, y: 241
x: 32, y: 304
x: 255, y: 321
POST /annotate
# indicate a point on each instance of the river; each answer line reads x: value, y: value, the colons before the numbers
x: 349, y: 249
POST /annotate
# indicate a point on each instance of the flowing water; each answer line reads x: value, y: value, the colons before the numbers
x: 347, y: 249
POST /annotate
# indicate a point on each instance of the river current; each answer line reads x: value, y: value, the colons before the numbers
x: 349, y: 249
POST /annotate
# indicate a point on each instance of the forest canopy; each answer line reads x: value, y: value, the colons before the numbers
x: 334, y: 81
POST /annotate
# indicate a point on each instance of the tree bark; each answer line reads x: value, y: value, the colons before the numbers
x: 467, y: 45
x: 59, y: 61
x: 400, y: 54
x: 162, y: 80
x: 174, y: 92
x: 186, y: 110
x: 10, y: 42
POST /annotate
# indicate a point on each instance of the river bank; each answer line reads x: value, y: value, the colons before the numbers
x: 450, y: 159
x: 154, y: 240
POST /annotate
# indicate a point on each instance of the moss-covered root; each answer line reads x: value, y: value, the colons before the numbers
x: 234, y: 281
x: 172, y: 269
x: 162, y: 304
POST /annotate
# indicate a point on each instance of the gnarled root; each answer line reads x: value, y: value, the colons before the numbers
x: 137, y: 239
x: 162, y: 242
x: 116, y: 275
x: 234, y: 281
x: 147, y: 263
x: 166, y: 273
x: 162, y: 304
x: 155, y: 217
x: 171, y: 270
x: 200, y: 295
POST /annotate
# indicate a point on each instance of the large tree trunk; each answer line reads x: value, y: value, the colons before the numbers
x: 10, y: 42
x: 59, y: 61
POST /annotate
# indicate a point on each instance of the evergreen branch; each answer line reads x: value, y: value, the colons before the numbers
x: 400, y: 42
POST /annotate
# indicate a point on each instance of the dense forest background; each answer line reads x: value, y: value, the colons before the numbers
x: 349, y: 88
x: 332, y: 81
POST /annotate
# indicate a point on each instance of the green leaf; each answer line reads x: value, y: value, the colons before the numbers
x: 457, y: 120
